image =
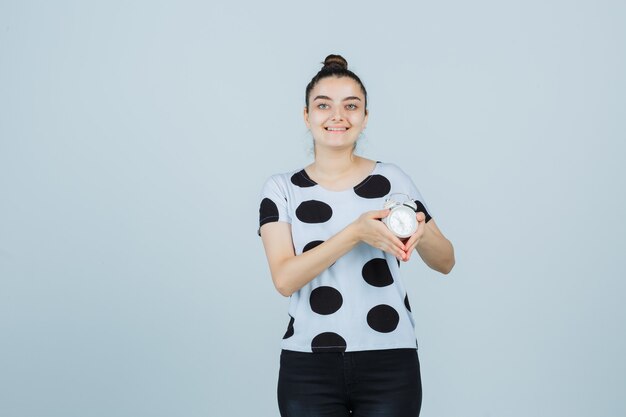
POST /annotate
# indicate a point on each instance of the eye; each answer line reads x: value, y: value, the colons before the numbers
x: 322, y: 106
x: 351, y: 106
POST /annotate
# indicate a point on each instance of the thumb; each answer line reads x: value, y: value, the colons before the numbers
x: 379, y: 214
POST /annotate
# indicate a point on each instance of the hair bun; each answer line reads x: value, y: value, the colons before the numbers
x: 335, y: 61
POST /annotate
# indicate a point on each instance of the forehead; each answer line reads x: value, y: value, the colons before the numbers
x: 337, y: 88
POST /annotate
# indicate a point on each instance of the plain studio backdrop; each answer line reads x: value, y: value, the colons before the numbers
x: 134, y: 141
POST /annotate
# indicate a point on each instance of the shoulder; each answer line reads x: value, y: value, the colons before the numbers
x: 283, y: 179
x: 392, y: 170
x: 286, y: 183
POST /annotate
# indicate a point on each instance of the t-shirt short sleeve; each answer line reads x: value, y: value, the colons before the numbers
x: 273, y: 204
x: 416, y: 196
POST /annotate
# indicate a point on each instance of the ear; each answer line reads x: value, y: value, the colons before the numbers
x: 367, y: 113
x: 306, y: 117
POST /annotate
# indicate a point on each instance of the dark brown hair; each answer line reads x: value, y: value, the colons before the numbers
x: 334, y: 66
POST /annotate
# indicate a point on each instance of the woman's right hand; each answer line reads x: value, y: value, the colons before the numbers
x: 290, y: 272
x: 372, y: 231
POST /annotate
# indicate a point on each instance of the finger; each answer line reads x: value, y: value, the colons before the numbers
x: 394, y: 242
x: 388, y: 236
x: 397, y: 251
x: 378, y: 214
x: 421, y: 224
x: 412, y: 247
x: 392, y: 250
x: 411, y: 244
x: 409, y: 250
x: 414, y: 238
x: 395, y: 239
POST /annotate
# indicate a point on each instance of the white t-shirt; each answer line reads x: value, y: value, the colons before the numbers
x: 359, y: 302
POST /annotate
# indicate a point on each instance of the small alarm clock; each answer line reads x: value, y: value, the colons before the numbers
x: 401, y: 219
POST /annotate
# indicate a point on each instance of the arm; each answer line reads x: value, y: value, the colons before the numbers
x: 290, y: 272
x: 435, y: 250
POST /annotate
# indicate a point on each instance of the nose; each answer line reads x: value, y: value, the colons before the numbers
x: 337, y: 113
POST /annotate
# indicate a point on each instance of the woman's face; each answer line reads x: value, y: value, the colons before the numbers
x: 336, y: 114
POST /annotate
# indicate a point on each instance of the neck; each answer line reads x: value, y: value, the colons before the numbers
x: 334, y: 163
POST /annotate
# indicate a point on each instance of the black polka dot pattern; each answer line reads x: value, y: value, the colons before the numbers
x: 374, y: 186
x: 312, y: 245
x: 328, y: 321
x: 422, y: 208
x: 268, y: 212
x: 406, y: 302
x: 325, y: 300
x: 328, y: 342
x: 376, y: 272
x: 314, y: 211
x: 290, y: 330
x: 383, y: 318
x: 302, y: 180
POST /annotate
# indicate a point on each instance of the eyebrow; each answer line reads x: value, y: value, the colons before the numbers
x: 328, y: 98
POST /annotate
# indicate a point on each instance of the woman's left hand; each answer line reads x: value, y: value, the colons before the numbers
x: 415, y: 238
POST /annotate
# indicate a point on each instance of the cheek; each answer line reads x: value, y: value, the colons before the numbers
x: 357, y: 120
x: 316, y: 118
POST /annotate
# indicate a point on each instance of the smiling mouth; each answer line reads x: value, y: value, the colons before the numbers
x: 336, y: 129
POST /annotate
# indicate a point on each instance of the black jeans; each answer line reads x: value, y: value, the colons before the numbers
x: 376, y: 383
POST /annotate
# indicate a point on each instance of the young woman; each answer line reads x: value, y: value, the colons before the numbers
x: 350, y: 347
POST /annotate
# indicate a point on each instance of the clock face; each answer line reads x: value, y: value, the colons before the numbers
x: 402, y: 222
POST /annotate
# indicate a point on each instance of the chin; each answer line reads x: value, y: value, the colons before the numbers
x: 334, y: 141
x: 343, y: 145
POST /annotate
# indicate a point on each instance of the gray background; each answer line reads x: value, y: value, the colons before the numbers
x: 134, y: 140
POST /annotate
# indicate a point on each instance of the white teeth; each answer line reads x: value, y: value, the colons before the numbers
x: 336, y: 129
